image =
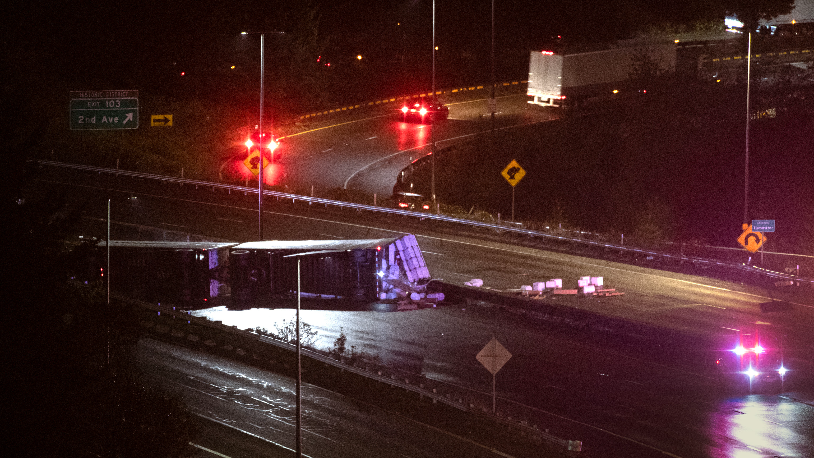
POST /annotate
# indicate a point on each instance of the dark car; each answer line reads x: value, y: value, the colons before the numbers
x: 411, y: 201
x: 424, y: 111
x: 267, y: 143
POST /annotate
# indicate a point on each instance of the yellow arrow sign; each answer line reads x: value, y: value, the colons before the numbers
x: 161, y: 120
x: 513, y: 173
x: 751, y: 240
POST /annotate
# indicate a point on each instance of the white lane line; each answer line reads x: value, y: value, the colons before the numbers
x: 538, y: 254
x: 715, y: 306
x: 247, y: 433
x: 345, y: 186
x: 209, y: 450
x: 516, y: 250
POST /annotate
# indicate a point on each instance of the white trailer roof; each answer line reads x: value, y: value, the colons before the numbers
x: 315, y: 245
x: 167, y: 245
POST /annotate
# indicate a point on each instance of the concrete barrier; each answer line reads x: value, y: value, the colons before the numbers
x: 422, y: 399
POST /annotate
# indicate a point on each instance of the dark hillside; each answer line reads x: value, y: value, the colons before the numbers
x: 664, y: 166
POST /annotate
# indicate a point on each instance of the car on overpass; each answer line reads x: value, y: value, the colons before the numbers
x: 424, y: 110
x: 412, y: 201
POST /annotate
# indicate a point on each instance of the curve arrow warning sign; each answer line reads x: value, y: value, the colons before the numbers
x: 750, y: 239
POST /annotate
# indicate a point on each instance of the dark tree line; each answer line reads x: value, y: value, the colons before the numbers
x: 71, y: 380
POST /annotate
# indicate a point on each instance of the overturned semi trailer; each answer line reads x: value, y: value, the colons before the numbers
x: 363, y: 270
x: 186, y: 274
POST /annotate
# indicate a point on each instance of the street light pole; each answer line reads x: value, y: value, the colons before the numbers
x: 492, y: 90
x: 260, y: 127
x: 746, y: 167
x: 260, y: 164
x: 298, y: 437
x: 432, y: 126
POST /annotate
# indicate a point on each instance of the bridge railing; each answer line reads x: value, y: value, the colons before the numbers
x: 623, y: 250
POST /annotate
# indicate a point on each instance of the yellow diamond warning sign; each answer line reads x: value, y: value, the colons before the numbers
x: 493, y: 356
x: 751, y: 240
x: 252, y: 162
x: 513, y: 173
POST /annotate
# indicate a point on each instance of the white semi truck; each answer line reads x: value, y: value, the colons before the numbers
x: 557, y: 79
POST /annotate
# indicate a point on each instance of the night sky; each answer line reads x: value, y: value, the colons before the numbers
x: 113, y: 43
x: 184, y: 50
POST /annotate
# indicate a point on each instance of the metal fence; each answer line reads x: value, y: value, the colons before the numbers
x: 777, y: 269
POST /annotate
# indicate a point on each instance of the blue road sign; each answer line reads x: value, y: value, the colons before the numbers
x: 763, y: 225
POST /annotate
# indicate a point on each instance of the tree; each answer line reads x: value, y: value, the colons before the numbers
x: 751, y: 12
x: 70, y: 365
x: 652, y: 222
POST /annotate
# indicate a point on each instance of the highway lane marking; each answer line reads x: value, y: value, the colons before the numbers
x: 345, y: 186
x: 597, y: 428
x: 526, y: 251
x: 705, y: 305
x: 334, y: 125
x: 247, y: 433
x: 424, y: 145
x: 485, y: 99
x: 209, y: 450
x: 268, y: 414
x: 715, y: 306
x: 462, y: 439
x: 518, y: 250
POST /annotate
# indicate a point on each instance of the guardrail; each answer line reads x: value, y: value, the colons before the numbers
x: 388, y: 100
x: 506, y: 228
x: 215, y: 337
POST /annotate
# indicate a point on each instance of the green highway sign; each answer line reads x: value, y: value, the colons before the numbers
x: 104, y: 110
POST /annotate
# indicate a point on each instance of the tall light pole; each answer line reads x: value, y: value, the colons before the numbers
x: 298, y: 421
x: 746, y: 167
x: 260, y: 127
x: 260, y: 164
x: 432, y: 126
x: 298, y: 437
x: 492, y: 103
